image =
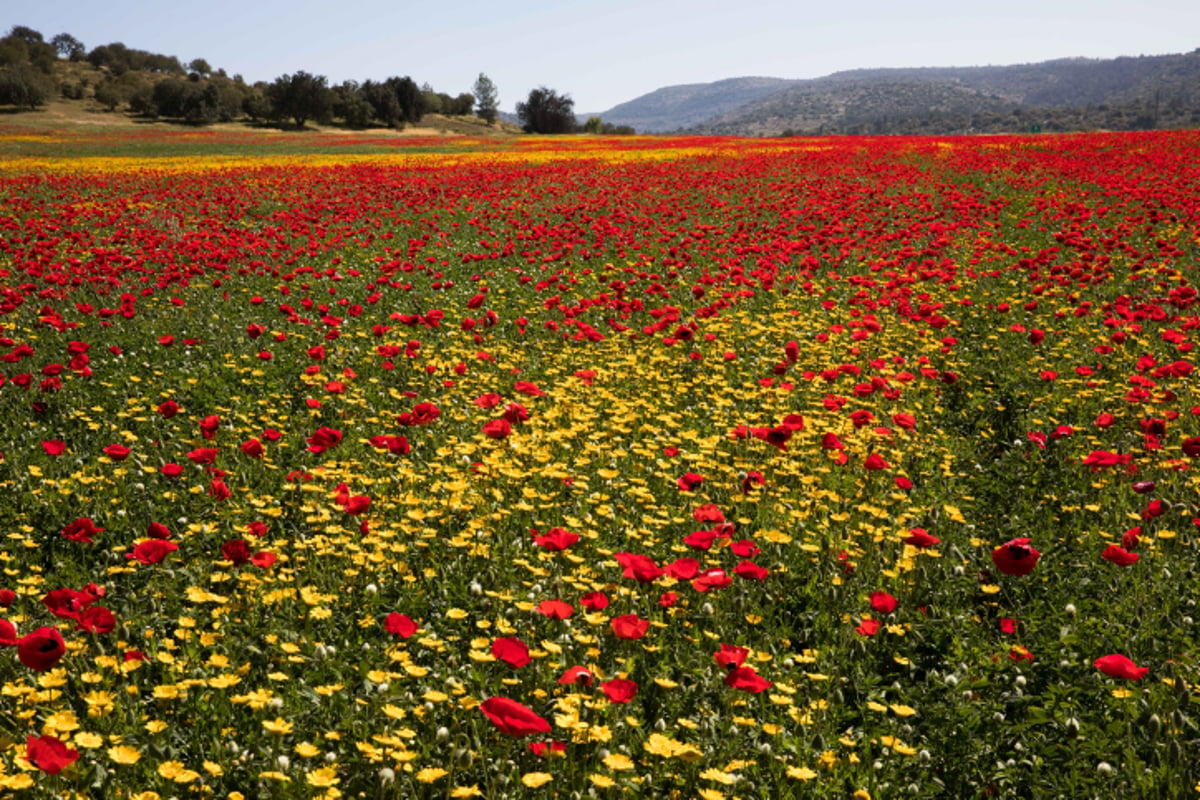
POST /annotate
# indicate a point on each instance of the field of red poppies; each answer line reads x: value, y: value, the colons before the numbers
x: 652, y: 467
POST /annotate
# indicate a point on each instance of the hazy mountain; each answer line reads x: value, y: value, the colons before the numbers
x: 1075, y: 93
x: 674, y: 107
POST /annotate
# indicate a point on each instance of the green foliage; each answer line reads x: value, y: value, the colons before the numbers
x: 547, y: 111
x: 486, y: 99
x: 24, y: 87
x: 301, y: 97
x: 69, y: 47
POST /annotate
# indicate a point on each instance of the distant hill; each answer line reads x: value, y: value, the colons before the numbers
x: 674, y: 107
x: 1064, y: 94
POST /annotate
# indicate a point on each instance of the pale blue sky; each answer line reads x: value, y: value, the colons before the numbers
x: 604, y: 53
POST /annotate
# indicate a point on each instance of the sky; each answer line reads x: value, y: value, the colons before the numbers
x: 606, y: 53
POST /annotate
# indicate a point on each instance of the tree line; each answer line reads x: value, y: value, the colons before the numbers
x: 153, y: 85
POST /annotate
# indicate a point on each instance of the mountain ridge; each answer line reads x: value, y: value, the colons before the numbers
x: 1124, y: 92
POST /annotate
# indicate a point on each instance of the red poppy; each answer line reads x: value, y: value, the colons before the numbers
x: 171, y: 470
x: 324, y: 439
x: 209, y: 426
x: 41, y: 649
x: 711, y: 579
x: 1118, y: 666
x: 1015, y: 557
x: 883, y: 602
x: 399, y: 625
x: 7, y: 596
x: 253, y: 448
x: 515, y: 414
x: 919, y: 537
x: 750, y: 571
x: 556, y: 539
x: 357, y: 505
x: 903, y: 483
x: 594, y: 601
x: 629, y: 626
x: 744, y: 549
x: 54, y: 447
x: 1119, y: 556
x: 527, y: 388
x: 497, y: 428
x: 868, y: 627
x: 96, y: 619
x: 203, y: 455
x: 1191, y: 446
x: 263, y: 559
x: 576, y: 675
x: 751, y: 480
x: 875, y: 461
x: 555, y: 609
x: 542, y: 749
x: 700, y: 540
x: 511, y: 651
x: 169, y: 409
x: 730, y: 656
x: 81, y: 530
x: 117, y: 452
x: 683, y: 569
x: 219, y: 490
x: 8, y: 634
x: 68, y: 603
x: 152, y: 551
x: 511, y: 718
x: 489, y: 400
x: 906, y: 421
x: 49, y: 754
x: 619, y: 690
x: 1008, y: 625
x: 747, y: 680
x: 236, y: 550
x: 639, y: 567
x: 689, y: 481
x: 156, y: 530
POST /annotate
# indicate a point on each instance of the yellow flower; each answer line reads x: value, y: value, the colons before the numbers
x: 618, y: 762
x: 536, y: 779
x: 124, y: 754
x: 307, y: 750
x: 431, y: 774
x: 718, y: 776
x: 89, y: 741
x: 323, y: 777
x: 710, y: 794
x: 62, y: 722
x: 466, y: 791
x: 272, y: 775
x: 605, y: 782
x: 17, y: 782
x: 213, y: 768
x: 801, y: 773
x: 175, y: 771
x: 278, y: 725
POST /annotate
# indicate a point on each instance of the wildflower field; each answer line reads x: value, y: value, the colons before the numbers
x: 587, y: 467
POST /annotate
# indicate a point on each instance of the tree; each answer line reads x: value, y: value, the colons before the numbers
x: 69, y: 47
x: 486, y: 99
x: 546, y: 111
x: 200, y: 66
x: 302, y: 97
x: 23, y: 86
x: 26, y: 35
